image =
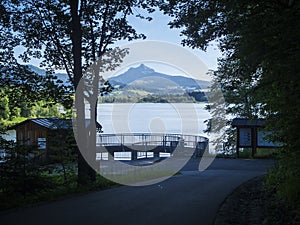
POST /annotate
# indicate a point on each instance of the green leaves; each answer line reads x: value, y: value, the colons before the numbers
x: 259, y: 71
x: 65, y: 35
x: 258, y: 40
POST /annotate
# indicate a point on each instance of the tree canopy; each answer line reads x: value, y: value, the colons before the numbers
x: 72, y: 35
x: 260, y: 66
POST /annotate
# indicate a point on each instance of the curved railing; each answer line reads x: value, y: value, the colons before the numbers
x: 149, y: 139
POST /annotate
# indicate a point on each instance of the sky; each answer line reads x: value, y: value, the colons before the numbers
x: 158, y: 30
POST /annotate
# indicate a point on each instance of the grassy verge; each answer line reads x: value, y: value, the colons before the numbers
x: 16, y: 120
x: 135, y: 177
x: 57, y: 189
x: 246, y: 153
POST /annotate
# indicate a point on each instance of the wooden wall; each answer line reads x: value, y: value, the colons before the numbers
x: 28, y: 133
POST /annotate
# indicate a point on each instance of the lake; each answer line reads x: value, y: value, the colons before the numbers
x: 179, y: 118
x: 10, y: 135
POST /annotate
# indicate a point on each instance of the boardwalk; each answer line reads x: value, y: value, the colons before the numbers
x: 147, y: 145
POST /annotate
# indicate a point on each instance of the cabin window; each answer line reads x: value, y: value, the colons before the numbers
x: 41, y: 143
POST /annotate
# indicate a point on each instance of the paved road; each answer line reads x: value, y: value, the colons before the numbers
x: 190, y: 198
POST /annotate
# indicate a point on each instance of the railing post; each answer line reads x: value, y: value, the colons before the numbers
x: 122, y: 142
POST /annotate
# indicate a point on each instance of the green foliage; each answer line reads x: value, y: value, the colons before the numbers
x: 24, y: 87
x: 259, y: 70
x: 11, y: 122
x: 198, y: 96
x: 15, y: 113
x: 67, y: 35
x: 20, y: 171
x: 285, y: 181
x: 51, y: 37
x: 4, y: 107
x: 140, y: 97
x: 63, y: 153
x: 72, y: 35
x: 25, y: 180
x: 42, y: 109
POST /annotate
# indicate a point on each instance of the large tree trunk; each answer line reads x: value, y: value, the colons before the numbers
x: 93, y: 109
x: 86, y: 174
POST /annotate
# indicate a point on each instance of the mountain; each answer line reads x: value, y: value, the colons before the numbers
x: 137, y: 83
x: 145, y: 78
x: 60, y: 76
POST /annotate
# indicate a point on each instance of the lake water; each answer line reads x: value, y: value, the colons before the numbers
x: 179, y: 118
x: 167, y: 118
x: 10, y: 135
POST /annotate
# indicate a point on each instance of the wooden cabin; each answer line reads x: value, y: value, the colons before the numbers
x: 46, y: 133
x: 40, y: 132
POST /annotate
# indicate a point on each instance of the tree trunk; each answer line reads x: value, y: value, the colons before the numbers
x: 86, y: 174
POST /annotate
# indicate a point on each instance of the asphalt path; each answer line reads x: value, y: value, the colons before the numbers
x: 193, y: 197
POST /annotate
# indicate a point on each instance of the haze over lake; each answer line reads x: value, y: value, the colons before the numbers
x: 179, y: 118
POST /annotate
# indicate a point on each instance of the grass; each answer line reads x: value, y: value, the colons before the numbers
x: 58, y: 189
x: 16, y: 120
x: 246, y: 153
x: 134, y: 177
x: 261, y: 153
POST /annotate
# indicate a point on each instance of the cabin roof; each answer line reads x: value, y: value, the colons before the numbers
x: 245, y: 122
x: 49, y: 123
x: 53, y: 123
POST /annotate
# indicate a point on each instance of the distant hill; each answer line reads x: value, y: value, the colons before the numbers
x: 60, y: 76
x: 145, y: 78
x: 142, y: 83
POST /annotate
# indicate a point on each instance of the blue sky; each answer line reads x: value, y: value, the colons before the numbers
x: 158, y: 30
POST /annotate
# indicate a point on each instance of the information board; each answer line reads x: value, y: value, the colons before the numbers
x: 245, y: 137
x: 262, y: 139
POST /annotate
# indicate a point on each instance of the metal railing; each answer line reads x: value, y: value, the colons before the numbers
x: 149, y: 139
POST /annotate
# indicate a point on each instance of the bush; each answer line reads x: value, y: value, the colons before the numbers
x: 284, y: 181
x: 20, y: 171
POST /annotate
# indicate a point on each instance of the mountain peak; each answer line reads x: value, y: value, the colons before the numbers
x: 142, y: 75
x: 143, y: 69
